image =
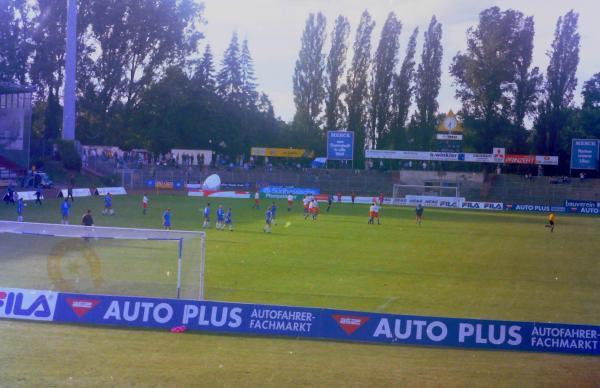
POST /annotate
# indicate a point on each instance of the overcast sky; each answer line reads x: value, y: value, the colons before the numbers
x: 274, y: 29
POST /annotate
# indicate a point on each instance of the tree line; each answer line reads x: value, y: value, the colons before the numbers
x: 390, y: 101
x: 142, y: 82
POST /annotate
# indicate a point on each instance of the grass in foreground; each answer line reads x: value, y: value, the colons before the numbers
x: 459, y: 263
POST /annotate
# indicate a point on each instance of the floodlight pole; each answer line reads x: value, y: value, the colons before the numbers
x: 68, y: 132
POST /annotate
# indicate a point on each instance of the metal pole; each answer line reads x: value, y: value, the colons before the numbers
x: 202, y: 263
x: 179, y: 268
x: 70, y: 60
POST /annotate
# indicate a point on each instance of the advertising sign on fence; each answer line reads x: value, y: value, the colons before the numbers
x: 290, y: 190
x: 111, y: 190
x: 281, y: 152
x: 584, y: 154
x: 79, y: 192
x: 340, y: 145
x: 299, y: 322
x: 519, y: 159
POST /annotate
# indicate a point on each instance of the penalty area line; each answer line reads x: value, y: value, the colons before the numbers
x: 385, y: 304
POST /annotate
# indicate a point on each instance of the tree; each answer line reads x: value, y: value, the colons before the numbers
x: 15, y: 40
x: 590, y: 110
x: 134, y: 41
x: 485, y: 76
x: 560, y: 84
x: 527, y: 81
x: 229, y: 79
x: 357, y: 85
x: 427, y: 88
x: 403, y: 88
x: 249, y: 94
x: 308, y: 80
x: 205, y: 70
x: 335, y: 70
x: 383, y: 72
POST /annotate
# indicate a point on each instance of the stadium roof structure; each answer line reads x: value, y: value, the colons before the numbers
x: 12, y: 88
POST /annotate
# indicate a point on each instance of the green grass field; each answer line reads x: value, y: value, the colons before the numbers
x: 457, y: 264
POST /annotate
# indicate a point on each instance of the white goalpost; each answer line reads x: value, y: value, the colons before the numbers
x: 103, y: 259
x: 402, y: 192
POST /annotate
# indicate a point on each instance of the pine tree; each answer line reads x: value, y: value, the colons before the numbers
x: 229, y: 79
x: 403, y: 89
x: 561, y: 79
x: 383, y: 72
x: 335, y: 70
x: 249, y: 94
x: 205, y: 71
x: 428, y: 82
x: 308, y: 78
x: 357, y: 85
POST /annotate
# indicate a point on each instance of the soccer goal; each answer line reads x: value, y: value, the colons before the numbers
x: 102, y: 260
x: 450, y: 190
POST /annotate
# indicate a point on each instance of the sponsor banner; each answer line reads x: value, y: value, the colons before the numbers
x: 496, y: 206
x: 546, y: 160
x: 76, y: 193
x: 289, y: 190
x: 445, y: 156
x: 406, y: 155
x: 584, y: 154
x: 281, y: 152
x: 448, y: 136
x: 165, y: 185
x: 281, y: 196
x: 111, y: 190
x: 27, y: 195
x: 582, y: 203
x: 193, y: 185
x: 583, y: 210
x: 340, y: 145
x: 219, y: 194
x: 478, y: 158
x: 519, y: 159
x: 16, y: 303
x: 534, y: 208
x: 302, y: 322
x: 499, y: 154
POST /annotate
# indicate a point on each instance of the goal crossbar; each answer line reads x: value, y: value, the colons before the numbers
x: 109, y: 233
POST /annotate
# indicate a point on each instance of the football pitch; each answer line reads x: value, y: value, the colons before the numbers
x: 459, y: 263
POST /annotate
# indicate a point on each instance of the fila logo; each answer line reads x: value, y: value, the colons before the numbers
x: 350, y: 323
x: 82, y: 306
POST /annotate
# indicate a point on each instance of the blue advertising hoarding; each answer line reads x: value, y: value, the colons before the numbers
x: 298, y: 322
x: 340, y: 145
x: 584, y: 154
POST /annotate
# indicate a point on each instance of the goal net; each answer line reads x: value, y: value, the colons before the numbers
x: 102, y: 260
x: 413, y: 193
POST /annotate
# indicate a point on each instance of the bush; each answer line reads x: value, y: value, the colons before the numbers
x: 68, y: 154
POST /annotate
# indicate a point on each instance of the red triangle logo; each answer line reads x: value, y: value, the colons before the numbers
x: 350, y: 323
x: 82, y: 306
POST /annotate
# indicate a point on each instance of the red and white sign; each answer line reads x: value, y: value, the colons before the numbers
x: 219, y: 194
x: 499, y: 154
x: 82, y: 306
x: 350, y: 323
x: 519, y: 159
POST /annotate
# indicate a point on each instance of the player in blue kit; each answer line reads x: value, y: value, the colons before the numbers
x: 220, y: 217
x: 20, y: 206
x: 64, y: 212
x: 273, y: 213
x: 268, y: 220
x: 228, y: 221
x: 108, y: 209
x: 167, y: 219
x: 206, y: 215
